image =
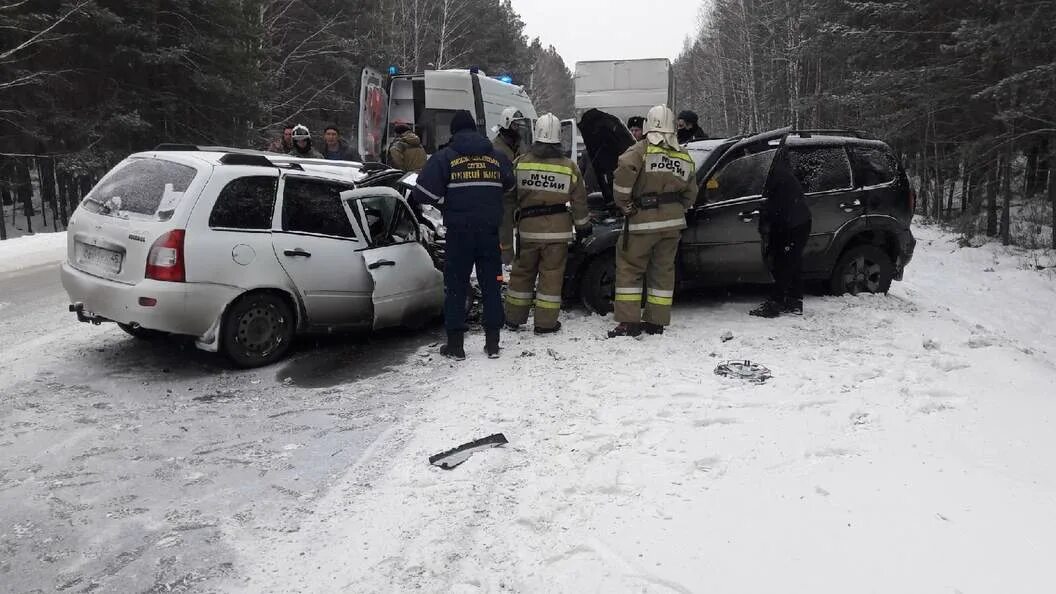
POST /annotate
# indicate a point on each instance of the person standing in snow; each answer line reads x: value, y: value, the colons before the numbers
x: 546, y: 181
x: 688, y: 128
x: 654, y: 185
x: 406, y: 150
x: 784, y: 225
x: 335, y: 148
x: 467, y: 180
x: 508, y: 142
x: 302, y: 143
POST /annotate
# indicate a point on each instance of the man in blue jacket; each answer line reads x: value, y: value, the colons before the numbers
x: 467, y: 181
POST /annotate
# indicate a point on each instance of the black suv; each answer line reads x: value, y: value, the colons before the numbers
x: 856, y: 188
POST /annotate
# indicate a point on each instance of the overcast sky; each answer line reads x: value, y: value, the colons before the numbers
x: 609, y: 29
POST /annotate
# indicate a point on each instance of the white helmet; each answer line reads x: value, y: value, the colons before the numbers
x: 300, y: 132
x: 660, y: 126
x: 509, y: 115
x: 548, y: 129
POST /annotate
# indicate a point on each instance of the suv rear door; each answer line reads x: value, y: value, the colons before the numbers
x: 318, y: 245
x: 881, y: 181
x: 825, y: 173
x: 407, y: 288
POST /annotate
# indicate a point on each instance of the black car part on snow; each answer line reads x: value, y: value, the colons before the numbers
x: 453, y: 457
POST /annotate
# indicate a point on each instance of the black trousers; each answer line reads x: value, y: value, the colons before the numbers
x: 466, y: 249
x: 786, y: 261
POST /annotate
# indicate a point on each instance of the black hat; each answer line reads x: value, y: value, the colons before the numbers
x: 688, y: 116
x: 636, y: 122
x: 462, y: 121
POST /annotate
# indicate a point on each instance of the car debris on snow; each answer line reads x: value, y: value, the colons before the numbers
x: 744, y: 370
x: 453, y: 457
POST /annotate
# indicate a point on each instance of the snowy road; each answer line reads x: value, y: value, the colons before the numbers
x: 125, y: 466
x: 903, y: 445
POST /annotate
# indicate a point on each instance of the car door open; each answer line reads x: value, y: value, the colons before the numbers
x: 408, y: 289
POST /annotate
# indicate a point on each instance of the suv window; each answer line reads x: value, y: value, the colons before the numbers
x: 821, y: 169
x: 146, y: 187
x: 873, y: 166
x: 310, y: 206
x: 245, y: 203
x: 740, y: 178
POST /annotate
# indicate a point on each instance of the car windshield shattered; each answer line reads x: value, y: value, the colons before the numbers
x: 142, y: 188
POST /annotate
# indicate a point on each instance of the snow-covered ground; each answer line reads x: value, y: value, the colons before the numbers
x: 19, y: 253
x: 902, y: 446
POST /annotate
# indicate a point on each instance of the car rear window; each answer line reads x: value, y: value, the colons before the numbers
x: 150, y: 188
x: 821, y: 169
x: 873, y: 166
x: 310, y: 206
x: 245, y: 203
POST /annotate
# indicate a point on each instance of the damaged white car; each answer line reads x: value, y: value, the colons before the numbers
x: 243, y: 250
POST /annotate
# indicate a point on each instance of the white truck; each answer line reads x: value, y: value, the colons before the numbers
x: 624, y: 88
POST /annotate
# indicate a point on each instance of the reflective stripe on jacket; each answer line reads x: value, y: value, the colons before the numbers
x: 648, y: 170
x: 551, y: 181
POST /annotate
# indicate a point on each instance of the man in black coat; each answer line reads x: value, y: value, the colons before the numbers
x: 785, y: 227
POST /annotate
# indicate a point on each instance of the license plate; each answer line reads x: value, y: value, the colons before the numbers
x: 97, y: 257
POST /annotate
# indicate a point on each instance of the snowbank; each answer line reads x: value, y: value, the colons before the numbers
x: 32, y: 250
x: 900, y: 447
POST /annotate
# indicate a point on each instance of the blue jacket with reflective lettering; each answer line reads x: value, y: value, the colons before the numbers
x: 467, y: 180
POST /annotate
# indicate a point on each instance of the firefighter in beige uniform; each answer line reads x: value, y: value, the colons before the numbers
x: 508, y: 141
x: 654, y: 185
x: 546, y: 182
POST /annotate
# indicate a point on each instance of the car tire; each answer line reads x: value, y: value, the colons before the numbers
x: 598, y: 286
x: 862, y: 269
x: 257, y: 330
x: 141, y: 333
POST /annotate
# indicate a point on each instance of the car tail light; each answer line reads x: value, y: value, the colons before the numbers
x: 165, y: 260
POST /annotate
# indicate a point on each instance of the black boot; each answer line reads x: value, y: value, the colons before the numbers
x: 769, y: 309
x: 652, y: 329
x: 539, y: 330
x: 454, y: 348
x: 491, y: 343
x: 513, y: 327
x: 626, y: 329
x: 793, y: 306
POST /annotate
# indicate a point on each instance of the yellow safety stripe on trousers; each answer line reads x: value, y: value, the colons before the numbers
x: 558, y: 236
x: 548, y: 301
x: 661, y: 293
x: 628, y: 294
x: 657, y: 225
x: 653, y: 149
x: 517, y: 301
x: 659, y: 300
x: 528, y: 166
x: 520, y: 294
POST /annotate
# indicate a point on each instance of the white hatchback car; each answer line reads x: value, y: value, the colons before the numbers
x: 242, y: 250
